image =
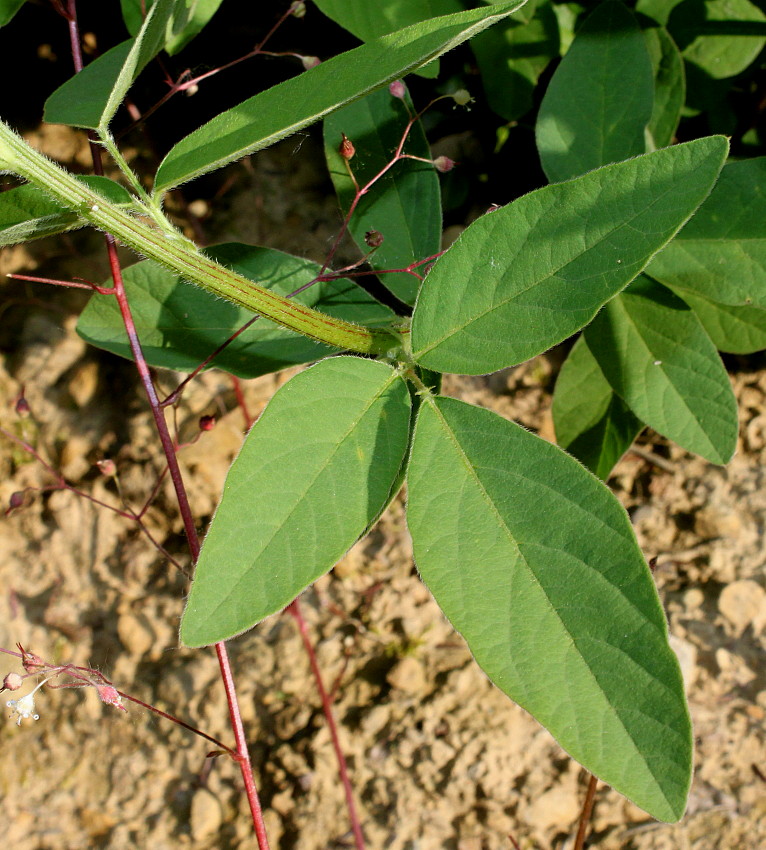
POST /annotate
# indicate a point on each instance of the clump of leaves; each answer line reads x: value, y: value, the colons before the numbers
x: 528, y: 553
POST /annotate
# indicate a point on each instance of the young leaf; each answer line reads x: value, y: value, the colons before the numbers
x: 405, y: 205
x: 657, y: 357
x: 8, y: 9
x: 371, y: 20
x: 721, y: 37
x: 658, y: 10
x: 669, y: 86
x: 534, y: 562
x: 29, y: 213
x: 511, y: 56
x: 526, y: 277
x: 290, y: 106
x: 91, y: 98
x: 608, y: 67
x: 315, y: 471
x: 368, y: 21
x: 187, y: 21
x: 82, y: 99
x: 591, y: 421
x: 721, y: 253
x: 180, y: 325
x: 735, y: 330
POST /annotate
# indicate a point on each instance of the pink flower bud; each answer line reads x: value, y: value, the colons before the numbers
x: 444, y: 164
x: 12, y: 682
x: 346, y: 149
x: 22, y: 406
x: 16, y: 500
x: 310, y: 61
x: 397, y: 89
x: 373, y: 238
x: 107, y: 467
x: 206, y: 423
x: 109, y: 695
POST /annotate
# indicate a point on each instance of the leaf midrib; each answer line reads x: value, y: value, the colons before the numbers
x: 299, y: 502
x: 555, y: 271
x: 485, y: 495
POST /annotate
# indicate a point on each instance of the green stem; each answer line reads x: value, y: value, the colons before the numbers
x: 180, y: 256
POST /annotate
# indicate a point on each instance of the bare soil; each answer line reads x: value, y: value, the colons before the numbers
x: 438, y: 757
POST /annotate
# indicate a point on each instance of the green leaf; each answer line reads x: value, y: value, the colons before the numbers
x: 591, y: 421
x: 405, y: 205
x: 371, y: 20
x: 290, y: 106
x: 526, y: 277
x: 316, y: 470
x: 657, y: 357
x: 187, y: 21
x: 81, y: 100
x: 669, y: 86
x: 368, y: 21
x: 180, y: 325
x: 534, y: 562
x: 511, y: 58
x: 8, y: 9
x: 735, y: 330
x: 658, y: 10
x: 28, y: 213
x: 600, y: 99
x: 720, y: 37
x: 91, y: 98
x: 721, y: 253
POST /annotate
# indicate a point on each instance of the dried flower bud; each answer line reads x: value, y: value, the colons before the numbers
x: 107, y: 467
x: 373, y: 238
x: 22, y: 406
x: 298, y: 9
x: 109, y: 695
x: 462, y: 97
x: 444, y: 164
x: 310, y: 61
x: 32, y: 663
x: 346, y: 149
x: 12, y: 682
x: 206, y: 423
x: 397, y: 89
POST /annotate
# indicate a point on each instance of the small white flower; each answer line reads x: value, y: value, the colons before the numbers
x: 25, y: 706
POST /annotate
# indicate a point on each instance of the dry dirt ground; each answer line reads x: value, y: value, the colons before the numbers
x: 439, y: 759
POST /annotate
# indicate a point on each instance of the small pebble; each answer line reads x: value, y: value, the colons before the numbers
x: 407, y: 675
x: 206, y: 815
x: 743, y: 603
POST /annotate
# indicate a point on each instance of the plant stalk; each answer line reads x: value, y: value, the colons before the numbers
x: 181, y: 256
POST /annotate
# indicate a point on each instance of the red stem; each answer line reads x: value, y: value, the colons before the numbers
x: 243, y: 757
x: 585, y: 814
x: 242, y: 402
x: 294, y: 609
x: 359, y: 193
x: 185, y: 81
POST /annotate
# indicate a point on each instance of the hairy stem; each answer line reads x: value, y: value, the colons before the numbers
x: 175, y: 252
